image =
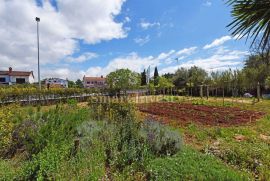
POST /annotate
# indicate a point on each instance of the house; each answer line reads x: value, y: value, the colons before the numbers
x: 11, y: 77
x: 56, y: 83
x: 94, y: 82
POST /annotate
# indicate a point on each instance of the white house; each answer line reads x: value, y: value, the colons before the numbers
x: 56, y: 82
x: 11, y: 77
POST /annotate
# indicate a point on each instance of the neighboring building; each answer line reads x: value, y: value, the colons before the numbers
x: 94, y: 82
x: 56, y: 83
x: 11, y: 77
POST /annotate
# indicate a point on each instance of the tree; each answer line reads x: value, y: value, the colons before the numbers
x: 165, y: 83
x: 79, y: 83
x: 197, y: 75
x: 261, y: 53
x: 267, y: 82
x: 123, y: 80
x: 180, y: 77
x: 251, y: 17
x: 143, y: 78
x: 71, y: 84
x: 156, y: 76
x: 168, y: 75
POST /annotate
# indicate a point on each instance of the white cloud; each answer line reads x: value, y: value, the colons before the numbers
x: 165, y: 55
x: 127, y: 19
x: 137, y: 63
x: 207, y: 3
x: 63, y: 73
x: 217, y: 42
x: 186, y: 51
x: 82, y: 58
x: 88, y: 20
x: 222, y: 59
x: 142, y: 40
x: 146, y: 25
x: 132, y: 61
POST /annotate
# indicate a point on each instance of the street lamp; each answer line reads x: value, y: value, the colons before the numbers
x: 39, y: 83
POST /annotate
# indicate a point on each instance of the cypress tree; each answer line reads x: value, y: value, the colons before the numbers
x: 143, y: 78
x: 156, y: 76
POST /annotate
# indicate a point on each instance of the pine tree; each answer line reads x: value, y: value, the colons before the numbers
x: 156, y: 76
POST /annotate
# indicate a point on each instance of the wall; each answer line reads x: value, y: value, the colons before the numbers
x: 6, y: 77
x: 13, y: 79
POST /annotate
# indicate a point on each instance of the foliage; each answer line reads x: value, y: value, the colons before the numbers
x: 71, y: 84
x: 123, y: 80
x: 163, y: 141
x: 186, y: 163
x: 79, y: 83
x: 250, y: 19
x: 18, y: 93
x: 180, y: 77
x: 267, y: 82
x: 8, y: 170
x: 7, y: 124
x: 143, y: 78
x: 164, y: 83
x: 46, y: 154
x: 156, y: 77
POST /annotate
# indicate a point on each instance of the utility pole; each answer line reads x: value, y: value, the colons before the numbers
x: 39, y: 83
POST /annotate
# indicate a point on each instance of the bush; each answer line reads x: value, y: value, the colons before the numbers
x: 52, y: 142
x: 7, y: 124
x: 123, y: 146
x: 252, y: 156
x: 162, y: 140
x: 191, y: 165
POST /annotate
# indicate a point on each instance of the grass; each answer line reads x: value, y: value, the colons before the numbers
x: 250, y: 154
x: 209, y: 153
x: 192, y: 165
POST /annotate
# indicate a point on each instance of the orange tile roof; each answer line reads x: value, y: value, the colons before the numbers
x: 16, y: 73
x: 94, y: 78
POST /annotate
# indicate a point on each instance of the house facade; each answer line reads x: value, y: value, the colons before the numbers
x: 11, y: 77
x: 56, y: 83
x: 94, y: 82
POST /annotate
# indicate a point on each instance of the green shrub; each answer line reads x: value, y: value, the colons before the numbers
x: 252, y: 156
x: 191, y: 165
x: 123, y: 146
x: 46, y: 163
x: 8, y: 170
x: 161, y: 139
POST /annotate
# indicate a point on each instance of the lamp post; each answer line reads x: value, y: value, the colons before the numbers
x: 39, y: 83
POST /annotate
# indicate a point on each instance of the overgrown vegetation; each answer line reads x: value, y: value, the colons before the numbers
x: 99, y: 141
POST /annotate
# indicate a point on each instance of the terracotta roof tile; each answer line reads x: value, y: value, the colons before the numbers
x: 16, y: 73
x: 94, y: 79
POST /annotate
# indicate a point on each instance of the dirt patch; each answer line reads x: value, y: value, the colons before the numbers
x: 180, y: 114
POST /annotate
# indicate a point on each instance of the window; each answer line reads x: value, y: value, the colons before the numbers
x: 88, y: 82
x: 20, y: 80
x: 2, y: 79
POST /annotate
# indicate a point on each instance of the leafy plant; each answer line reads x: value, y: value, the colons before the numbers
x: 191, y: 165
x: 162, y: 140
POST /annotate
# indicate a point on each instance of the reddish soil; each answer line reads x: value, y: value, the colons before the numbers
x: 181, y: 114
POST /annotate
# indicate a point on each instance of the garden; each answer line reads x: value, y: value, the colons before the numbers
x: 128, y: 141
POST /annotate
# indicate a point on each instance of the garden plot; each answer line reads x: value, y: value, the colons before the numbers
x: 181, y: 114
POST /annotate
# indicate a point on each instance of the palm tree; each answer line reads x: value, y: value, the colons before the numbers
x: 250, y: 19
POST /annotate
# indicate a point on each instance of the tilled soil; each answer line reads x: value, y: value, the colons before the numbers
x: 207, y: 115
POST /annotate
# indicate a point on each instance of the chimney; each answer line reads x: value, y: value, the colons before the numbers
x: 102, y: 76
x: 10, y: 69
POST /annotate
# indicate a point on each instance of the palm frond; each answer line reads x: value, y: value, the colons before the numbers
x: 251, y: 18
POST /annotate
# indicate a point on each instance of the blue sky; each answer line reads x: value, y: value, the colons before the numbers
x: 93, y: 38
